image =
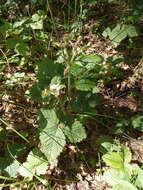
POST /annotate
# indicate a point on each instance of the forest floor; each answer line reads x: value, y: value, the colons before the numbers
x: 80, y: 166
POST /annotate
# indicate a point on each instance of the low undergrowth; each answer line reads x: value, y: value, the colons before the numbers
x: 71, y: 85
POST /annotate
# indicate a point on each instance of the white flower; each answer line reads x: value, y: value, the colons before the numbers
x: 55, y: 89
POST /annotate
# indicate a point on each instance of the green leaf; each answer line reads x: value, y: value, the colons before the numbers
x: 118, y: 159
x: 12, y: 168
x: 2, y: 134
x: 119, y: 33
x: 5, y: 29
x: 127, y: 154
x: 106, y: 32
x: 137, y: 122
x: 105, y: 143
x: 77, y: 70
x: 16, y: 150
x: 77, y: 132
x: 37, y: 20
x: 132, y: 32
x: 47, y: 116
x: 11, y: 42
x: 124, y: 185
x: 84, y: 64
x: 35, y: 164
x: 117, y: 179
x: 138, y: 172
x: 85, y: 85
x: 112, y: 175
x: 22, y: 48
x: 89, y: 61
x: 51, y: 137
x: 47, y: 69
x: 114, y: 159
x: 19, y: 45
x: 20, y: 23
x: 37, y: 25
x: 9, y: 166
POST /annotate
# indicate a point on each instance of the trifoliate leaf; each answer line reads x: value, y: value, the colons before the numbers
x: 51, y: 137
x: 35, y: 164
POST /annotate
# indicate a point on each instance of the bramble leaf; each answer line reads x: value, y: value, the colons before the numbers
x: 77, y: 132
x: 119, y: 33
x: 51, y: 137
x: 35, y: 164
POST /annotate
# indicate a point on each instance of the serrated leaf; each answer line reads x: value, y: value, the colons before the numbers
x: 12, y: 169
x: 84, y: 85
x: 47, y: 69
x: 106, y: 32
x: 77, y: 132
x: 9, y: 166
x: 89, y: 61
x: 132, y: 32
x: 51, y: 136
x: 119, y: 33
x: 35, y: 164
x: 137, y: 122
x: 77, y: 70
x: 47, y: 117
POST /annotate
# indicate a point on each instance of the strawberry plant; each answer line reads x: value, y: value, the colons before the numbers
x: 56, y: 88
